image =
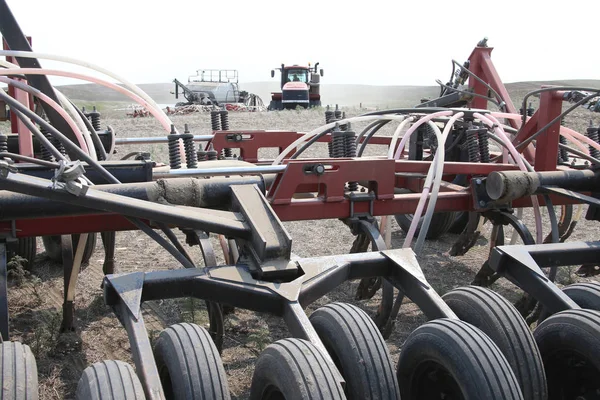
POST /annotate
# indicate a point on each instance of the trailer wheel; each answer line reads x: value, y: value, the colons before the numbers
x: 586, y: 295
x: 53, y: 250
x: 358, y: 350
x: 569, y: 342
x: 294, y: 369
x: 189, y: 364
x: 501, y: 321
x: 25, y: 247
x: 18, y: 372
x: 451, y: 359
x: 109, y: 380
x: 440, y: 223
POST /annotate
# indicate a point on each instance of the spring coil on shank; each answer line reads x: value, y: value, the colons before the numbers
x: 215, y: 122
x: 3, y: 143
x: 338, y: 145
x: 350, y: 151
x: 484, y: 146
x: 188, y: 145
x: 95, y: 119
x: 472, y: 145
x: 594, y: 134
x: 174, y: 156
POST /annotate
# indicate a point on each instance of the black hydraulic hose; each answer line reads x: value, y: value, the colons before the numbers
x: 69, y: 145
x: 550, y: 89
x: 470, y: 93
x: 32, y: 160
x: 95, y: 138
x: 558, y: 118
x: 39, y: 135
x: 107, y: 175
x: 363, y: 145
x: 480, y: 81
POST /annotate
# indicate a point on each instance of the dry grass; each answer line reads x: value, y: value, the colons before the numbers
x: 34, y: 304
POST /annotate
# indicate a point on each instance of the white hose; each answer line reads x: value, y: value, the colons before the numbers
x: 134, y: 88
x: 417, y: 124
x: 307, y: 136
x: 396, y: 135
x: 82, y: 126
x: 493, y: 123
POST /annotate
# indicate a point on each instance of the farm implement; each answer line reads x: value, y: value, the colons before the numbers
x: 450, y: 164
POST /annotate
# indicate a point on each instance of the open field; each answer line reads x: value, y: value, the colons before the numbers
x: 35, y: 301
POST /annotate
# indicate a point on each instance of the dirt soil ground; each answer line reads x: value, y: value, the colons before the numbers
x: 35, y: 298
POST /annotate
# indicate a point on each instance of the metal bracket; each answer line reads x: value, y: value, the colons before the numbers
x: 129, y: 289
x: 356, y: 197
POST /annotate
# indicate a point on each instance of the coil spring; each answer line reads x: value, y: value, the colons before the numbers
x: 344, y: 127
x: 201, y: 154
x: 484, y: 146
x: 95, y: 119
x: 330, y: 148
x: 594, y: 134
x: 3, y: 143
x: 215, y: 121
x: 472, y: 145
x: 44, y: 152
x: 563, y: 155
x: 350, y: 150
x: 328, y: 115
x: 212, y: 154
x: 55, y: 142
x: 190, y: 151
x: 338, y: 146
x: 224, y: 120
x: 174, y: 156
x: 337, y: 113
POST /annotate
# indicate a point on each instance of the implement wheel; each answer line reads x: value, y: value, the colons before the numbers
x: 569, y: 342
x: 358, y: 350
x: 294, y: 369
x: 451, y: 359
x: 501, y: 321
x: 18, y: 372
x: 109, y: 380
x: 189, y: 364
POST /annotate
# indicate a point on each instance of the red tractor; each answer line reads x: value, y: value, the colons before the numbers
x: 299, y: 87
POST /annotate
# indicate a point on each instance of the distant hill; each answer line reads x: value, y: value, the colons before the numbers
x: 331, y: 94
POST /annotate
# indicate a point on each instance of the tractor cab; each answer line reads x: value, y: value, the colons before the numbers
x: 295, y: 74
x: 299, y: 87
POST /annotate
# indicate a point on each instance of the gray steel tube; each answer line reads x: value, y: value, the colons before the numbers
x: 209, y: 193
x: 157, y: 139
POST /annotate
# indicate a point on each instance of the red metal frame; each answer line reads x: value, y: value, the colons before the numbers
x: 545, y: 154
x: 17, y: 126
x: 300, y: 193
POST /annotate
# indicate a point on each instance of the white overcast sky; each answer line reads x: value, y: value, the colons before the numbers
x: 363, y: 42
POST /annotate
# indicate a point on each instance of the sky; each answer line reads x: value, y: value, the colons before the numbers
x: 371, y: 42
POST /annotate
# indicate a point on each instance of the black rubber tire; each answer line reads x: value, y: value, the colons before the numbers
x: 53, y: 250
x: 440, y: 223
x: 460, y: 222
x: 358, y: 350
x: 472, y: 364
x: 586, y: 295
x: 294, y: 369
x: 24, y: 247
x: 107, y: 380
x: 500, y: 320
x: 569, y: 342
x: 18, y: 372
x: 189, y: 364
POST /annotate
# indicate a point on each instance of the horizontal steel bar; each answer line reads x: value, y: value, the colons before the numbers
x: 157, y: 139
x: 223, y: 171
x: 200, y: 219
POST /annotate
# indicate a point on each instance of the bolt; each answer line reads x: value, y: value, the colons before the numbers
x: 482, y: 203
x: 478, y: 181
x: 318, y: 169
